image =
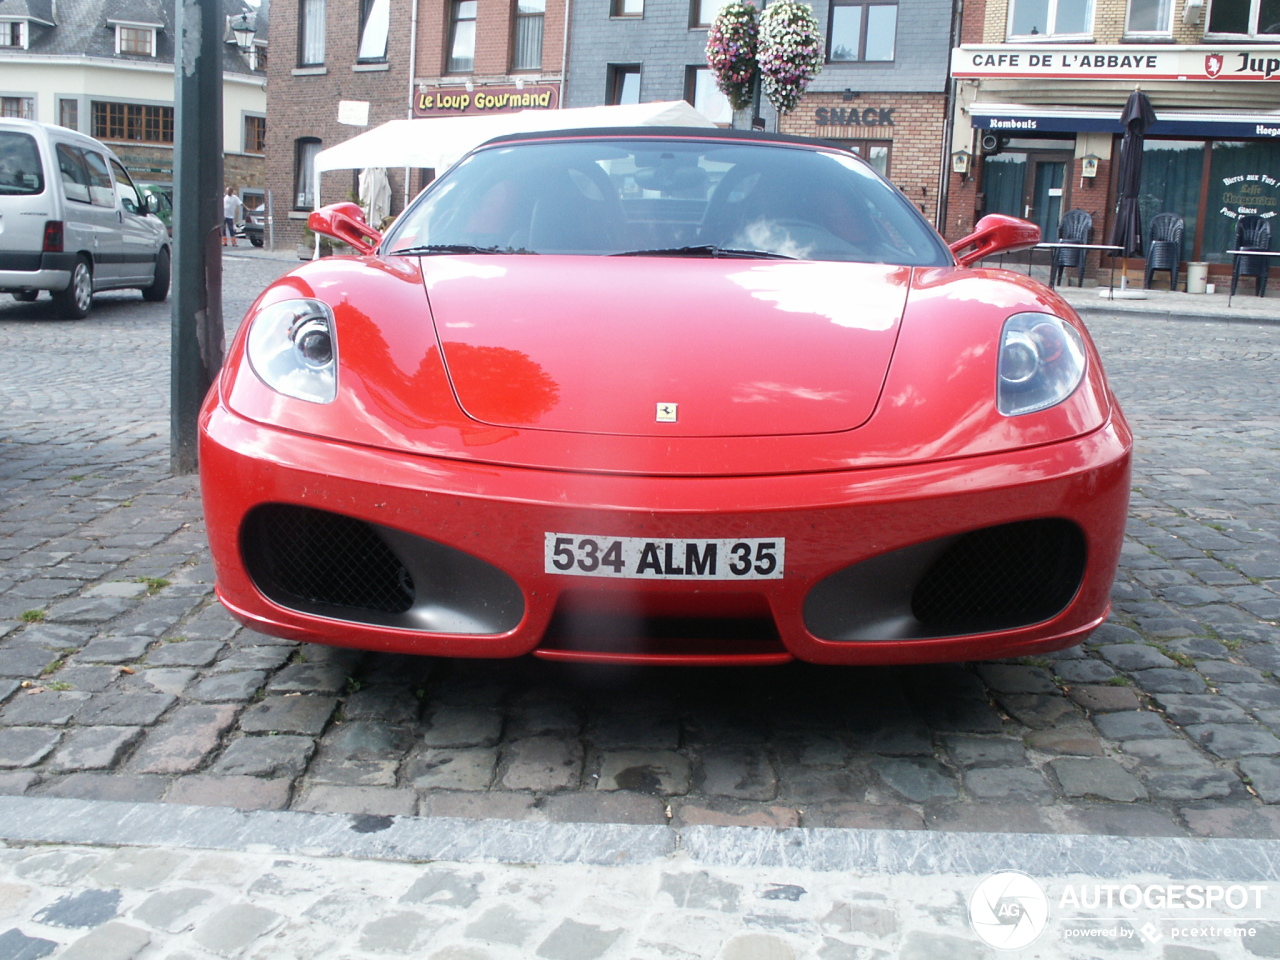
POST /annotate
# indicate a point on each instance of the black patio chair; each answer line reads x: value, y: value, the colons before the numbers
x: 1164, y: 251
x: 1076, y: 226
x: 1252, y: 233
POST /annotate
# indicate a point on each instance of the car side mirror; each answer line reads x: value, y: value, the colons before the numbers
x: 996, y: 233
x: 151, y: 203
x: 344, y: 222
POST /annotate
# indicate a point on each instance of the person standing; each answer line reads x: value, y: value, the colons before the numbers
x: 231, y: 205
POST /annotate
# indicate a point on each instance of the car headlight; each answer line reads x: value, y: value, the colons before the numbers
x: 1041, y: 363
x: 293, y: 347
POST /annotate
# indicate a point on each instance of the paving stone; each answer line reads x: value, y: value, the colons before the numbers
x: 16, y: 945
x: 310, y: 678
x: 866, y: 919
x: 618, y: 806
x: 173, y: 680
x: 1083, y: 670
x: 917, y: 780
x: 542, y: 718
x: 1081, y: 741
x: 990, y: 816
x: 451, y: 726
x: 131, y: 708
x: 1166, y: 753
x: 82, y: 910
x: 283, y: 756
x: 398, y: 933
x: 25, y: 660
x: 235, y: 687
x: 114, y: 649
x: 233, y: 928
x: 242, y: 792
x: 1104, y: 698
x: 183, y: 741
x: 699, y: 890
x: 742, y: 772
x: 1013, y: 678
x: 57, y: 867
x: 387, y: 704
x: 572, y: 940
x: 1134, y: 656
x: 171, y: 910
x: 1120, y: 820
x: 58, y: 636
x: 542, y: 764
x: 185, y: 653
x: 1090, y: 777
x: 726, y: 812
x: 1264, y: 776
x: 1197, y: 784
x: 266, y: 653
x: 1253, y: 696
x: 499, y: 805
x: 297, y: 713
x: 26, y: 746
x: 93, y: 748
x: 334, y: 798
x: 1007, y: 783
x: 1231, y: 740
x: 971, y: 751
x: 139, y: 868
x: 16, y: 784
x: 501, y: 924
x: 652, y: 728
x: 8, y: 687
x: 100, y: 610
x: 105, y: 786
x: 1188, y: 709
x: 921, y: 945
x: 1040, y: 711
x: 46, y: 707
x: 445, y: 886
x: 465, y: 768
x: 658, y: 772
x: 1132, y: 725
x: 1169, y: 681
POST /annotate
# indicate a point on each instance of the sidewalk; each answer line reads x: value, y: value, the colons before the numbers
x: 124, y: 881
x: 1177, y: 305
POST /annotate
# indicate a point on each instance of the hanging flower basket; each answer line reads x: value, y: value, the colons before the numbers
x: 790, y: 52
x: 731, y: 52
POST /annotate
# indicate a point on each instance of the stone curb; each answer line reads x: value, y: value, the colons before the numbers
x: 418, y: 839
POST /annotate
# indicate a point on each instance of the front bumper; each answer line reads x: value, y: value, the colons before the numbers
x: 830, y: 521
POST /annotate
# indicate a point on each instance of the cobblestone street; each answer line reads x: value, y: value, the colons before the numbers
x: 122, y: 679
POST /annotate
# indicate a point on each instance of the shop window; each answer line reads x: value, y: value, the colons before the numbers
x: 375, y: 22
x: 861, y: 31
x: 627, y: 8
x: 1247, y: 18
x: 875, y: 152
x: 1050, y: 18
x: 1172, y: 174
x: 624, y: 83
x: 304, y: 168
x: 1149, y: 18
x: 311, y: 17
x: 1242, y: 181
x: 526, y: 53
x: 24, y: 108
x: 700, y: 89
x: 462, y: 37
x: 143, y: 123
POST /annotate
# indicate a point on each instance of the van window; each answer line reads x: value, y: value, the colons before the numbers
x: 75, y: 179
x: 20, y: 169
x: 129, y: 198
x: 101, y: 188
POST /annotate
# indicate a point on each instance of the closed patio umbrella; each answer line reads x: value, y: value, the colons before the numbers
x: 1126, y: 227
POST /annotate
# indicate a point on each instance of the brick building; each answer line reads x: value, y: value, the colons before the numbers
x: 344, y: 65
x: 1040, y: 85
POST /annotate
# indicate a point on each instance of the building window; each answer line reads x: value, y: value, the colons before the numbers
x: 375, y: 23
x: 311, y: 33
x: 304, y: 168
x: 703, y: 12
x: 862, y: 31
x: 136, y: 39
x: 624, y: 83
x: 132, y: 121
x: 875, y: 152
x: 258, y: 56
x: 1051, y: 18
x: 627, y: 8
x: 462, y: 37
x: 1149, y: 17
x: 255, y: 134
x: 69, y: 113
x: 1248, y: 18
x: 527, y: 54
x: 24, y: 108
x: 13, y: 33
x: 700, y: 89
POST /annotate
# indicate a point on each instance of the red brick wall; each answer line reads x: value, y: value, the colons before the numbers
x: 917, y: 130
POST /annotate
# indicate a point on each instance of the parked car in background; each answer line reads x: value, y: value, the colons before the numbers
x: 253, y: 226
x: 163, y: 193
x: 656, y: 396
x: 73, y: 221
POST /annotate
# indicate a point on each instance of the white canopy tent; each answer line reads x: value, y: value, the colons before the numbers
x: 439, y: 142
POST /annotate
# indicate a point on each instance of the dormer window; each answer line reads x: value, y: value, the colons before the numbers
x: 13, y: 33
x: 134, y: 38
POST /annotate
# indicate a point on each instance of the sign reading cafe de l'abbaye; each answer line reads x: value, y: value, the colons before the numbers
x: 1133, y: 62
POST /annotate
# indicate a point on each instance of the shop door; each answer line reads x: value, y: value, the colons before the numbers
x: 1046, y: 185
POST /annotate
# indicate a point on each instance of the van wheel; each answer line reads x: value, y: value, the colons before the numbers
x: 159, y: 288
x: 25, y: 296
x: 73, y: 303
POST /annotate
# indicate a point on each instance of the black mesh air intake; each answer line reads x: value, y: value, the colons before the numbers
x: 1001, y: 577
x: 296, y: 553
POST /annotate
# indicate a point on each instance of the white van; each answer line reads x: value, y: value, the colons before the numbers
x: 72, y: 222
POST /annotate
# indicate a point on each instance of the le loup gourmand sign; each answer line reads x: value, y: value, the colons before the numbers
x: 458, y: 101
x: 1132, y: 62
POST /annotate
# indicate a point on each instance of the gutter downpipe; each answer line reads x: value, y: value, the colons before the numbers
x: 413, y: 79
x: 949, y: 125
x: 564, y: 55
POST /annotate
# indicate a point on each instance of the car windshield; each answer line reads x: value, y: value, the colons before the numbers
x: 611, y: 196
x: 20, y: 167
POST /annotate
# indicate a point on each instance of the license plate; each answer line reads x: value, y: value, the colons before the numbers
x: 637, y: 558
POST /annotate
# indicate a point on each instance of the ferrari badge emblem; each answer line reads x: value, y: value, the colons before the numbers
x: 1213, y: 64
x: 666, y: 413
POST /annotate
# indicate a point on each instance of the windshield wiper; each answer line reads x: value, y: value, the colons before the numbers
x: 706, y: 250
x: 430, y: 248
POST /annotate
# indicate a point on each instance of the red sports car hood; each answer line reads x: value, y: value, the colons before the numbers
x: 666, y: 347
